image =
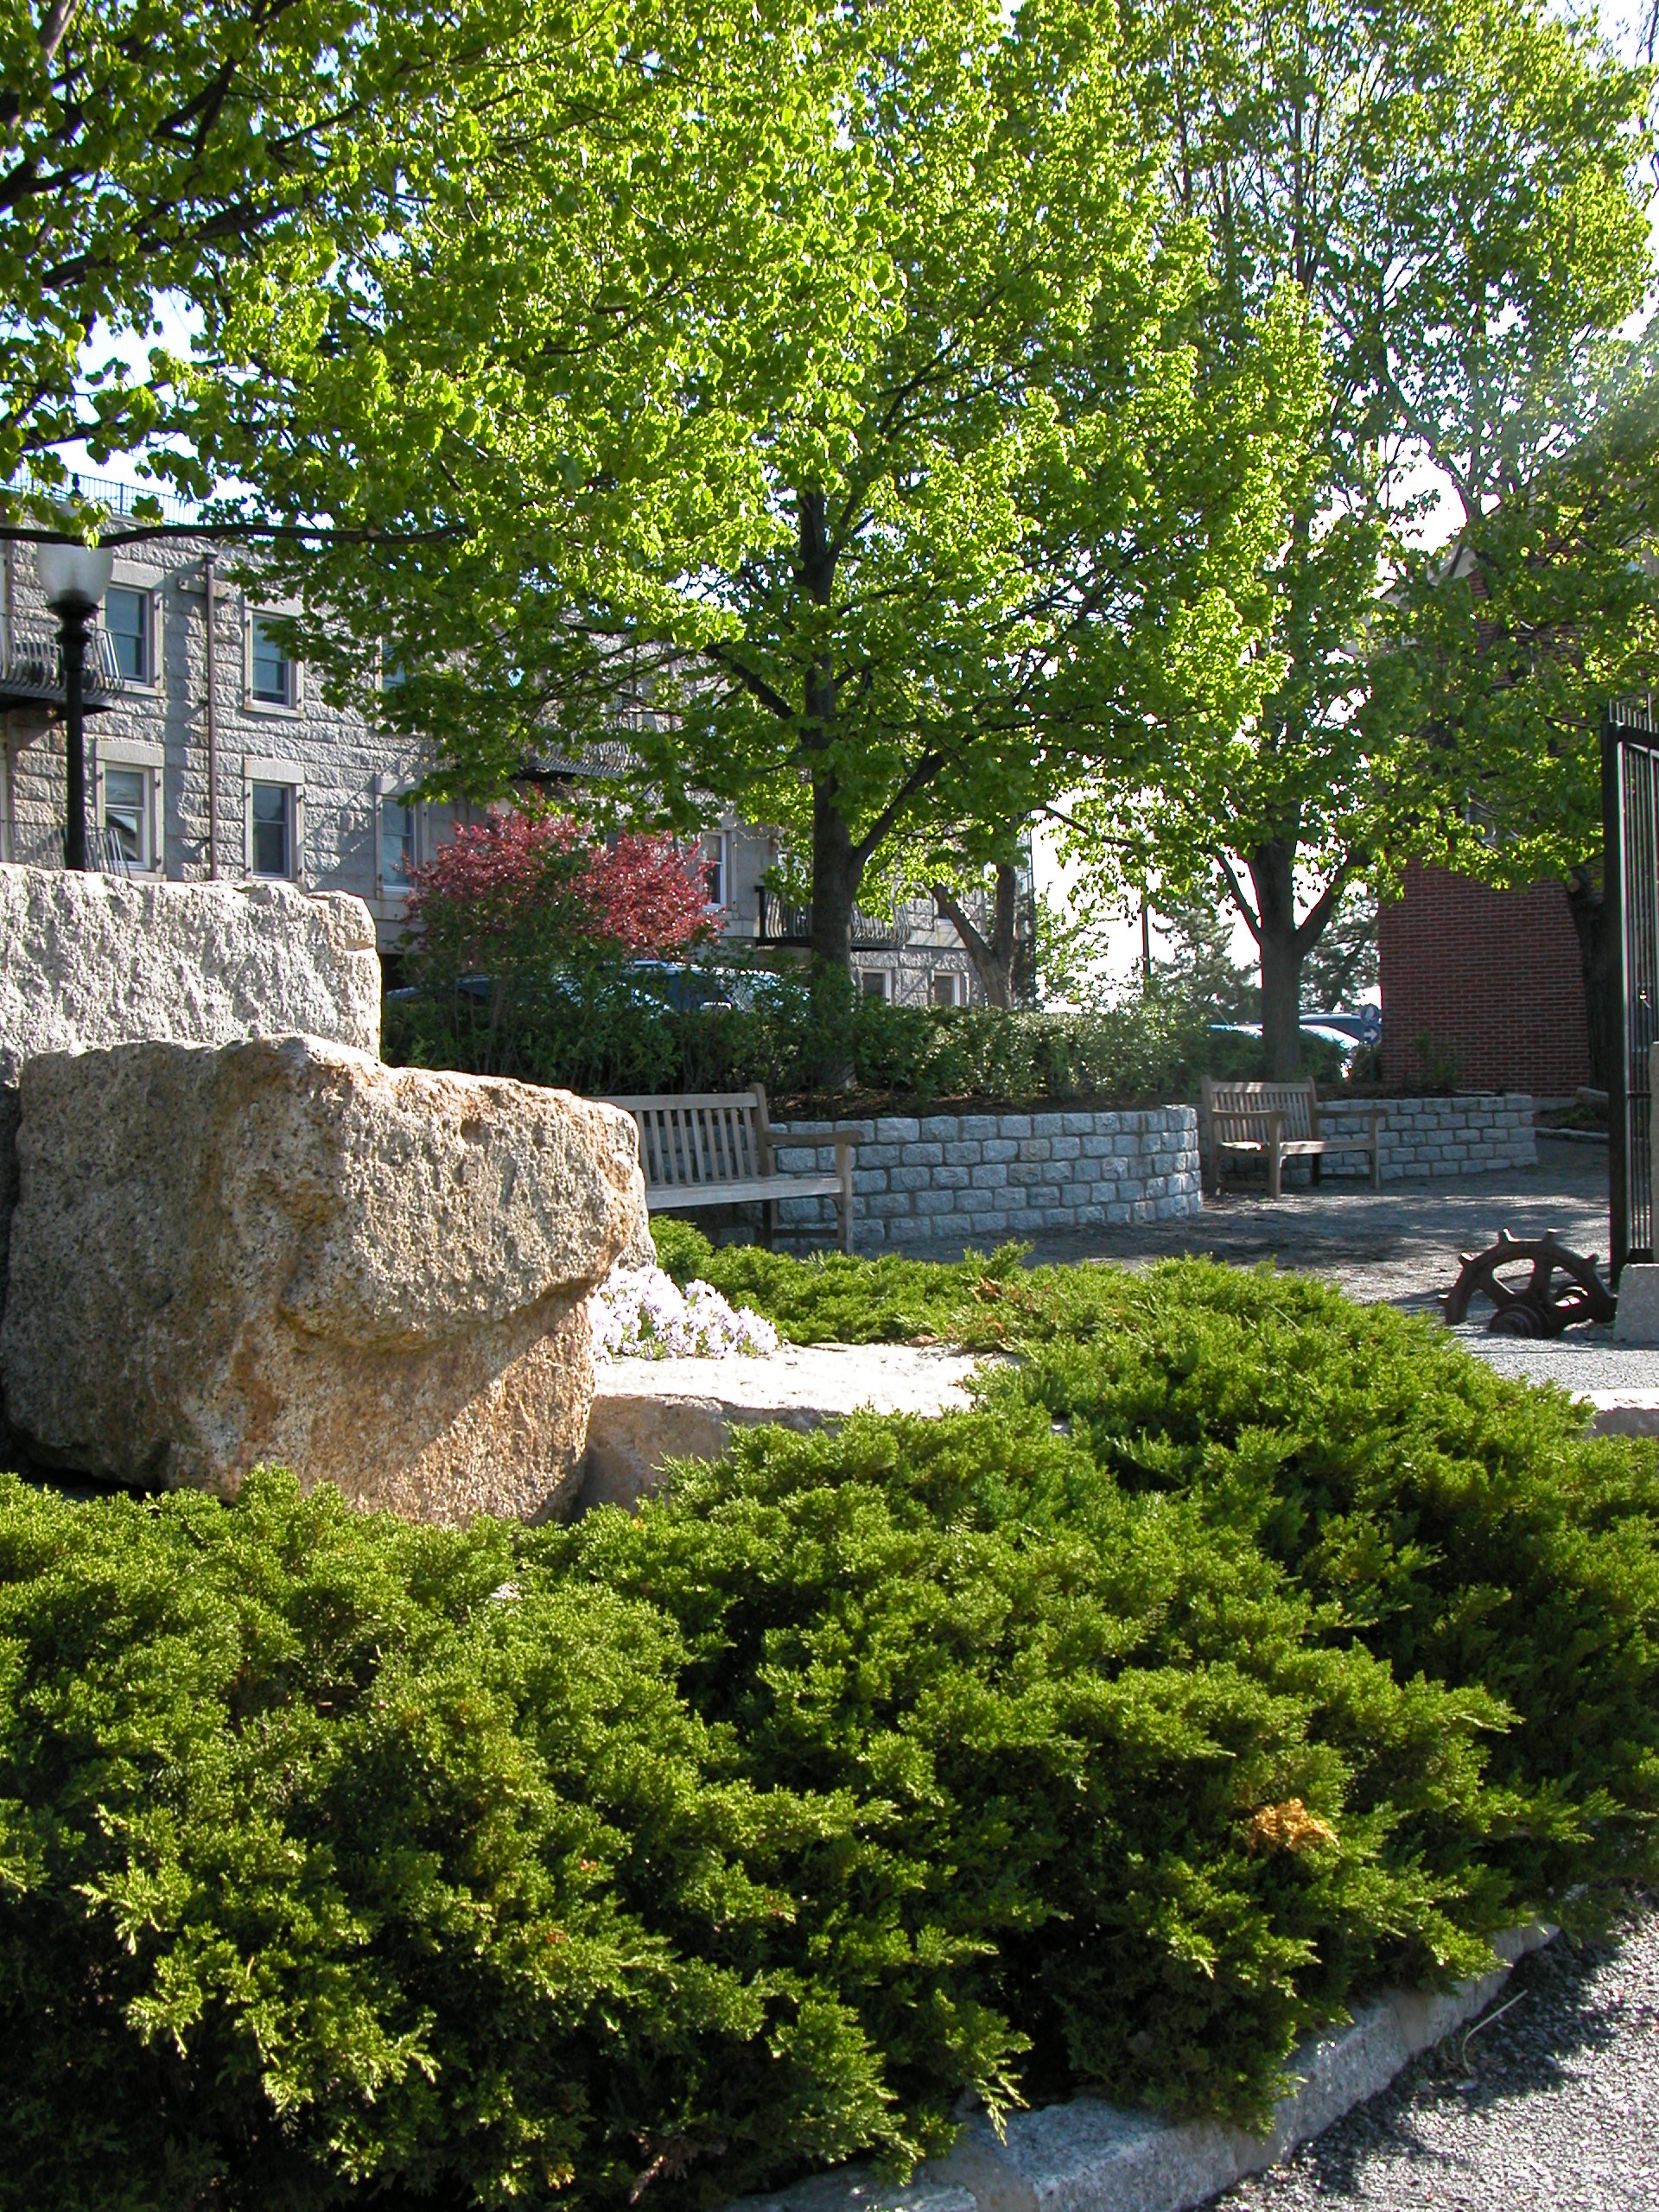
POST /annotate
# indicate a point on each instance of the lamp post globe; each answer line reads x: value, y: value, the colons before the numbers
x: 73, y: 578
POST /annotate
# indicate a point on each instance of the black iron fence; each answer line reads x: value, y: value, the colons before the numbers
x: 1629, y: 803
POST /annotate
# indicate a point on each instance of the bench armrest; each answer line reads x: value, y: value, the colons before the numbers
x: 763, y: 1130
x: 846, y: 1156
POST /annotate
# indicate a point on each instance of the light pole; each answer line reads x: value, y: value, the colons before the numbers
x: 73, y: 578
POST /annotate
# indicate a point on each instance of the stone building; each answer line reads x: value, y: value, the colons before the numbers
x: 302, y: 791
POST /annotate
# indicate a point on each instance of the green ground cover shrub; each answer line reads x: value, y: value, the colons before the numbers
x: 1451, y: 1522
x: 1245, y: 1649
x: 604, y: 1032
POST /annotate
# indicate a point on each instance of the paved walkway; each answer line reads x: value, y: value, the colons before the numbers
x: 1399, y: 1244
x: 1556, y: 2103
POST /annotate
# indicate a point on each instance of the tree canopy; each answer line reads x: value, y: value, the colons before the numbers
x: 1451, y: 189
x: 937, y: 497
x: 205, y: 149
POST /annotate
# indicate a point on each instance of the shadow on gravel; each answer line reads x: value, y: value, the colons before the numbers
x: 1548, y: 2013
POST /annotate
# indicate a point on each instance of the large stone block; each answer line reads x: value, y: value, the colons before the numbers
x: 90, y: 960
x: 280, y: 1250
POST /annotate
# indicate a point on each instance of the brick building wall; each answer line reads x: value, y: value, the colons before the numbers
x: 1488, y: 980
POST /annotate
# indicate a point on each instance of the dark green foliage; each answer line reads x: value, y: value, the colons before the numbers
x: 834, y: 1298
x: 609, y: 1033
x: 1453, y: 1522
x: 1244, y: 1650
x: 333, y: 1851
x: 1076, y: 1704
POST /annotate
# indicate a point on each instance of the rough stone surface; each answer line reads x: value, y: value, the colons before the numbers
x: 647, y: 1412
x: 980, y: 1178
x: 90, y: 960
x: 1637, y: 1321
x: 280, y: 1250
x: 1091, y: 2157
x: 1474, y: 1133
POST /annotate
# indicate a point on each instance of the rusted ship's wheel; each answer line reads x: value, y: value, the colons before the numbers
x: 1541, y: 1306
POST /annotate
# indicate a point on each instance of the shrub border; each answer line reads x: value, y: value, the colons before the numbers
x: 1091, y: 2157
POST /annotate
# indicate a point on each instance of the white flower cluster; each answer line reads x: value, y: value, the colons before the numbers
x: 641, y: 1313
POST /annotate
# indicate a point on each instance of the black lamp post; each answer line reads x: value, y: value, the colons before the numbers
x: 74, y: 578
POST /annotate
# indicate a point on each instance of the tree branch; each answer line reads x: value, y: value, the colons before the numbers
x: 1252, y: 919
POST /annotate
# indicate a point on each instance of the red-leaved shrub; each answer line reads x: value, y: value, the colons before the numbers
x: 519, y: 887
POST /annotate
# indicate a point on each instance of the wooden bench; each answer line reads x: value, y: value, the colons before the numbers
x: 715, y: 1148
x: 1277, y: 1121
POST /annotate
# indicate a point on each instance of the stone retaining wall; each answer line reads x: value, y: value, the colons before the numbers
x: 1472, y: 1133
x: 978, y: 1178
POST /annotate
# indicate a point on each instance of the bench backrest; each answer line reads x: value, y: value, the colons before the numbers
x: 1238, y: 1111
x: 690, y: 1139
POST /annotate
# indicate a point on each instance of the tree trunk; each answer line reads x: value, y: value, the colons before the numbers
x: 1595, y: 928
x: 993, y: 956
x: 1273, y: 873
x: 837, y: 871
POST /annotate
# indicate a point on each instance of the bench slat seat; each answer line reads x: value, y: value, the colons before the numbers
x: 714, y: 1148
x: 755, y: 1186
x: 1279, y: 1121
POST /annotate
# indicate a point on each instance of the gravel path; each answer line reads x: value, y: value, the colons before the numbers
x: 1556, y: 2103
x: 1398, y: 1244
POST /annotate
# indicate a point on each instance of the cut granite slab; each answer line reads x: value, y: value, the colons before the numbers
x: 647, y: 1412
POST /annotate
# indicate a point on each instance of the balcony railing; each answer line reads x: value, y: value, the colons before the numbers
x: 785, y: 924
x: 31, y: 666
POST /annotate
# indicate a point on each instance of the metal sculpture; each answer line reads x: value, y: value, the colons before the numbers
x: 1543, y: 1307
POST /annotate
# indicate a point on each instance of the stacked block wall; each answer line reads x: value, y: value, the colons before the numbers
x: 980, y: 1178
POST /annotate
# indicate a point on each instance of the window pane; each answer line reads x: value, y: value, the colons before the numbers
x: 873, y: 982
x: 944, y: 987
x: 397, y: 843
x: 272, y: 812
x: 126, y: 617
x: 714, y: 871
x: 273, y: 673
x: 126, y: 813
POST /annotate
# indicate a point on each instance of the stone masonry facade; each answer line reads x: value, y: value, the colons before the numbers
x: 344, y: 786
x: 1431, y: 1139
x: 980, y: 1178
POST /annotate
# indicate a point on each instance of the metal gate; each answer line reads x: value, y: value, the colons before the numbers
x: 1629, y: 811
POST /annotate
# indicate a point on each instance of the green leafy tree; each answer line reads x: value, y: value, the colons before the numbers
x: 871, y: 534
x: 207, y: 151
x: 1199, y: 962
x: 1502, y: 655
x: 1452, y: 190
x: 1343, y: 964
x: 519, y: 423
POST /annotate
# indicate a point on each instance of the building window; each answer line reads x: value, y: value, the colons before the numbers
x: 126, y: 818
x: 270, y: 808
x: 713, y: 863
x: 127, y: 618
x: 945, y: 984
x: 397, y: 853
x: 873, y: 982
x: 273, y: 678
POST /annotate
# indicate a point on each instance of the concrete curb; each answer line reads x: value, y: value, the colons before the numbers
x: 1091, y: 2157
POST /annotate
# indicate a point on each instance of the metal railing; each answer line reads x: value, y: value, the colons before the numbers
x: 107, y: 491
x: 785, y: 924
x: 31, y: 664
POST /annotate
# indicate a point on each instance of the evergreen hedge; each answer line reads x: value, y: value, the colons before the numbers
x: 1245, y: 1649
x: 606, y: 1031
